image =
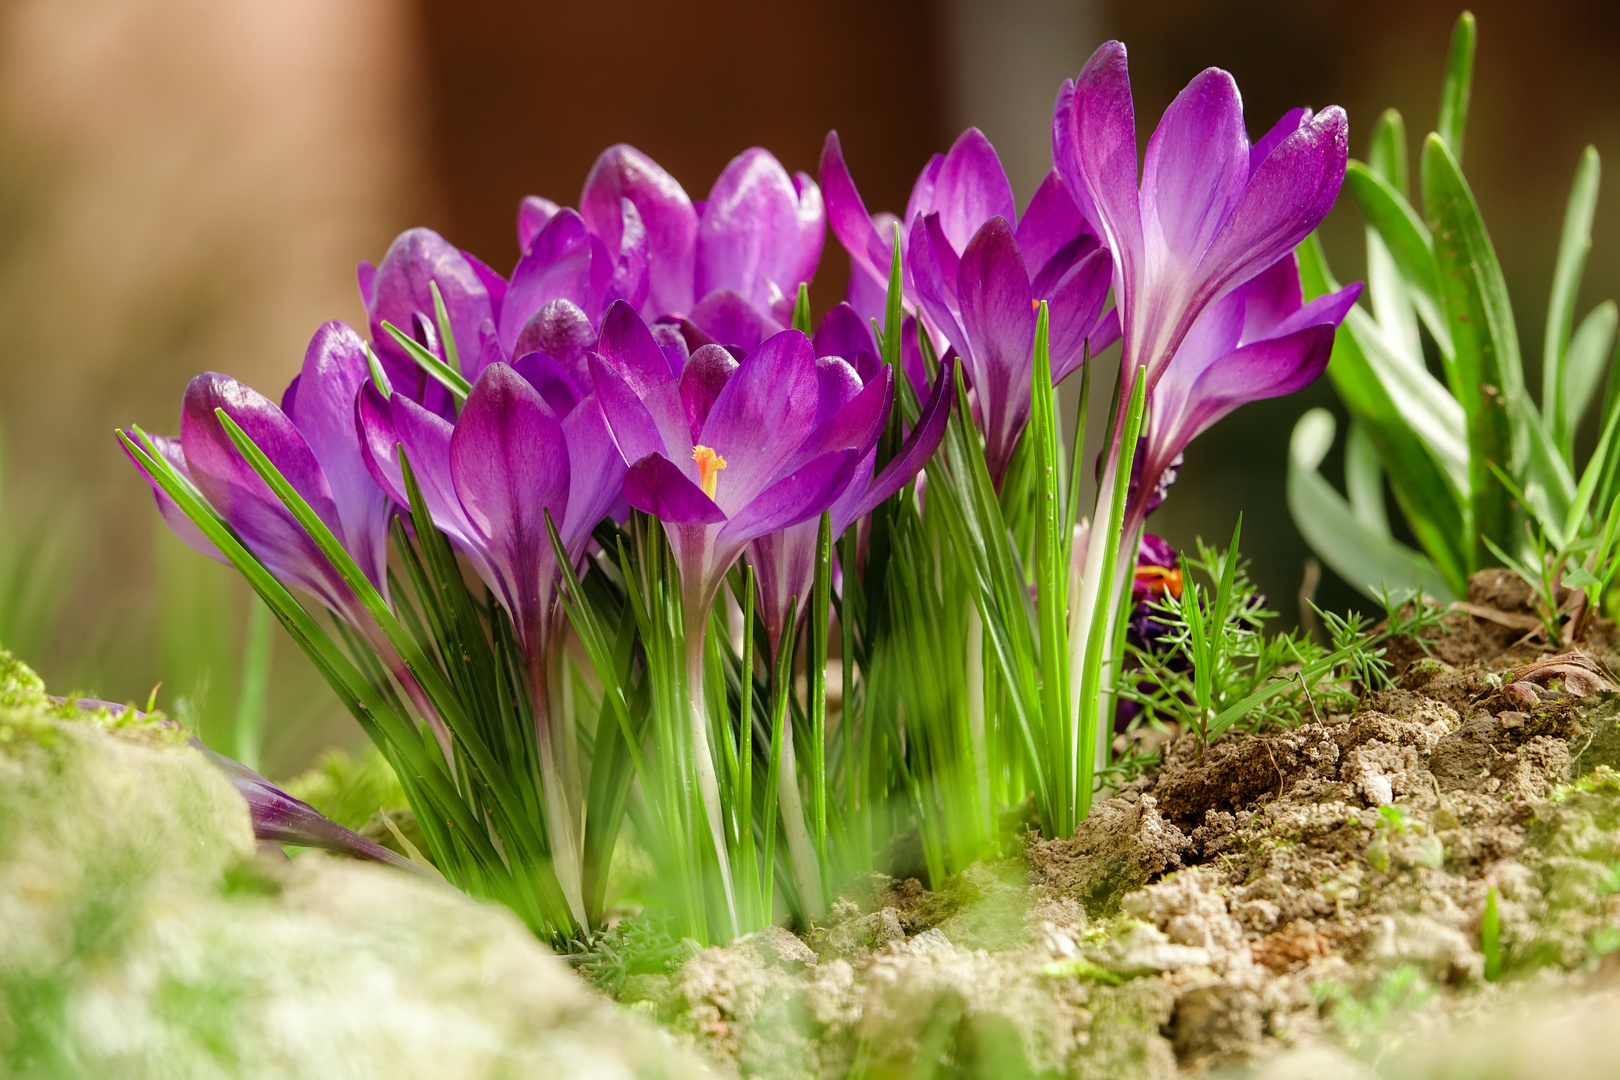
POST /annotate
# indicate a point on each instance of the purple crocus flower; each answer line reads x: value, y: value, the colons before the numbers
x: 1211, y: 210
x: 1261, y: 340
x: 311, y: 440
x: 525, y: 445
x: 784, y: 561
x: 974, y: 271
x: 724, y: 451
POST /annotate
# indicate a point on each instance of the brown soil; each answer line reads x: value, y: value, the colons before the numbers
x: 1252, y: 903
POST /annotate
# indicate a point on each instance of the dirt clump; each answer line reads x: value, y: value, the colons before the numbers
x: 1298, y: 900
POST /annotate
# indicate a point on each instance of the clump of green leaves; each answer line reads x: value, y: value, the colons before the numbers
x: 1211, y: 666
x: 1365, y: 1020
x: 1483, y: 474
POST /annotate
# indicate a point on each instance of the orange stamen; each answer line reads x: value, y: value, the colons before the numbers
x: 709, y: 465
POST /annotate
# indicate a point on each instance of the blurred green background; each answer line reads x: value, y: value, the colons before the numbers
x: 186, y: 185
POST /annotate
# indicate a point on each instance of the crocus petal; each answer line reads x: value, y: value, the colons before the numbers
x: 795, y: 498
x: 1288, y: 196
x: 1096, y: 152
x: 856, y: 426
x: 598, y: 472
x: 784, y: 564
x: 934, y: 269
x: 837, y: 384
x: 562, y: 331
x: 729, y: 318
x: 705, y: 375
x: 279, y: 818
x: 761, y: 231
x: 655, y: 485
x: 335, y: 367
x: 509, y: 466
x: 918, y: 448
x: 181, y: 525
x: 533, y: 213
x: 556, y: 266
x: 1291, y: 121
x: 637, y: 390
x: 426, y: 440
x: 416, y: 258
x: 623, y: 172
x: 870, y: 249
x: 998, y: 321
x: 765, y: 411
x: 246, y: 501
x: 1271, y: 296
x: 552, y: 379
x: 494, y: 284
x: 1074, y: 308
x: 971, y: 188
x: 1267, y: 369
x: 1196, y: 167
x: 844, y: 333
x: 1051, y: 223
x: 622, y: 275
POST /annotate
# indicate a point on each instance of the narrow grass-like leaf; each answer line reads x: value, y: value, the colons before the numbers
x: 447, y: 332
x: 1483, y: 333
x: 1367, y: 559
x: 1459, y: 80
x: 801, y: 309
x: 1573, y: 246
x: 1586, y: 362
x: 1410, y: 246
x: 1364, y: 481
x: 445, y: 375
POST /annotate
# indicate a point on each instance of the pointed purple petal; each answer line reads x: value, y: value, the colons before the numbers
x: 998, y: 320
x: 869, y: 247
x: 934, y: 269
x: 971, y: 188
x: 1288, y: 196
x: 557, y: 266
x: 918, y: 447
x: 798, y: 497
x: 1271, y: 296
x: 655, y: 485
x: 335, y: 367
x: 1050, y: 224
x: 1075, y: 306
x: 639, y: 394
x: 181, y: 525
x: 1291, y: 121
x: 598, y: 472
x: 1196, y: 167
x: 509, y: 466
x: 494, y: 284
x: 415, y: 258
x: 843, y: 333
x: 1267, y: 369
x: 784, y: 565
x: 1096, y: 152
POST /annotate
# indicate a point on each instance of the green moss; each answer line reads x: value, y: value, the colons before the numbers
x: 349, y: 789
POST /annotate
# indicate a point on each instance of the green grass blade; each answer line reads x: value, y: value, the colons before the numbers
x: 1585, y: 364
x: 256, y: 655
x: 1483, y: 334
x: 1573, y: 247
x: 1410, y: 246
x: 1386, y: 152
x: 451, y: 379
x: 1459, y: 81
x: 801, y: 309
x: 1364, y: 481
x: 447, y: 332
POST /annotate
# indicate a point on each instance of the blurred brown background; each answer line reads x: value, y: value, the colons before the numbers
x: 187, y: 185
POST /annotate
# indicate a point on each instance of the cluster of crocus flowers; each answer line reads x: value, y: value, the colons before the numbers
x: 647, y: 353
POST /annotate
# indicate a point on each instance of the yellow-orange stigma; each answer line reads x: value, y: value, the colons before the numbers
x: 1160, y: 579
x: 709, y: 465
